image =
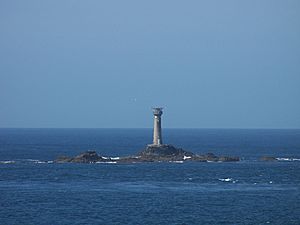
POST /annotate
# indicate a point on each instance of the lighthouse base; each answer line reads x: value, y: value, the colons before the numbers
x: 164, y: 151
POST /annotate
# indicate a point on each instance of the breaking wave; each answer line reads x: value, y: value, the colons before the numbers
x: 7, y: 162
x: 228, y: 180
x: 288, y: 159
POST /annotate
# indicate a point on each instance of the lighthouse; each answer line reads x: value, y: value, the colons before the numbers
x: 157, y: 139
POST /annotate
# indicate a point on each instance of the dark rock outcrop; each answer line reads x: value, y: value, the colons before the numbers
x: 268, y: 158
x: 85, y: 157
x: 228, y: 159
x: 63, y: 159
x: 164, y: 153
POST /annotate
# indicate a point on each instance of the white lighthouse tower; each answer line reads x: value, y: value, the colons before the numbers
x: 157, y: 139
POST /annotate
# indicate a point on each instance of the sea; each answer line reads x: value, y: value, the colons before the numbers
x: 36, y: 190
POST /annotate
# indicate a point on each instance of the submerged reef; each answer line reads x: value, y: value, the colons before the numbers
x: 152, y: 153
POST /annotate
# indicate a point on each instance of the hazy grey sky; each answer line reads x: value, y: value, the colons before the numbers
x: 211, y: 64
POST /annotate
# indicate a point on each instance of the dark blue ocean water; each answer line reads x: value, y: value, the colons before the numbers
x: 246, y: 192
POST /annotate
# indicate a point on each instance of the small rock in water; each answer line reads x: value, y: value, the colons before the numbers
x: 268, y: 158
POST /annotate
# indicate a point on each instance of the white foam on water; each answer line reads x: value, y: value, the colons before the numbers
x: 49, y: 161
x: 225, y: 179
x: 176, y: 161
x: 288, y: 159
x: 106, y: 162
x: 186, y: 157
x: 32, y: 160
x: 114, y: 158
x: 284, y: 159
x: 103, y: 157
x: 271, y: 182
x: 7, y: 162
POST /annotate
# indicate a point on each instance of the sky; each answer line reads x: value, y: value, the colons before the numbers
x: 104, y: 64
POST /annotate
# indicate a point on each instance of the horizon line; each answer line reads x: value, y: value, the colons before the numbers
x: 183, y: 128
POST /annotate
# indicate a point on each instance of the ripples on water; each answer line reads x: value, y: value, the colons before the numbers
x: 34, y: 190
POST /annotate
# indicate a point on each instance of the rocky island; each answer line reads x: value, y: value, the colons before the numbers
x: 163, y: 153
x: 156, y: 152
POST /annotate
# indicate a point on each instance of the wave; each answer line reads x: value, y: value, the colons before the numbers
x: 109, y: 162
x: 7, y: 162
x: 36, y: 161
x: 31, y: 160
x: 110, y: 158
x: 114, y: 158
x: 176, y: 161
x: 288, y: 159
x: 228, y: 180
x: 186, y: 157
x: 225, y: 179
